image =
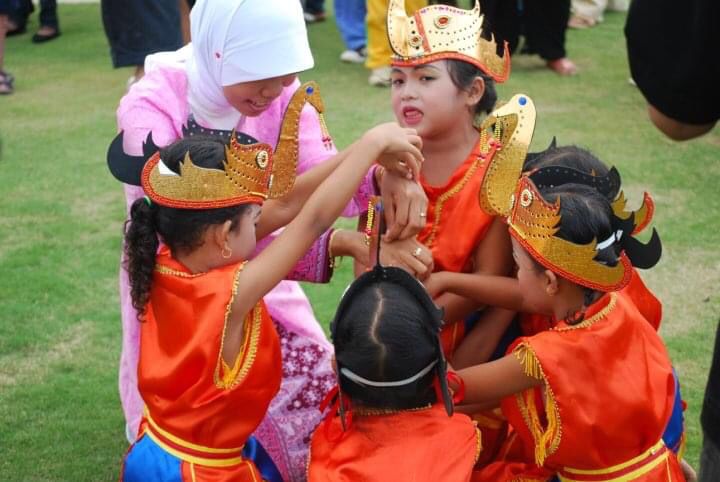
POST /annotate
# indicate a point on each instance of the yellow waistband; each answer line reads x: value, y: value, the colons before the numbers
x: 627, y: 476
x: 190, y: 452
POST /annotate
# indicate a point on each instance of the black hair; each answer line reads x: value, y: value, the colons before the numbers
x: 180, y: 229
x: 573, y: 157
x: 463, y: 74
x: 384, y: 333
x: 585, y: 215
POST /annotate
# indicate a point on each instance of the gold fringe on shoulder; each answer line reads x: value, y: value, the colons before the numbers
x: 478, y: 436
x: 547, y: 439
x: 530, y: 364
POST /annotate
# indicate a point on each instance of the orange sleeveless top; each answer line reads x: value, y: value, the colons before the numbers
x: 609, y: 392
x: 455, y: 223
x: 198, y: 408
x: 421, y: 445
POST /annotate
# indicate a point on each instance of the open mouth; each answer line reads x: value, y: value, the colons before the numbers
x: 411, y: 115
x: 258, y: 106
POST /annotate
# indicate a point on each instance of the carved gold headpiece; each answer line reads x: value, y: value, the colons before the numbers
x: 251, y: 171
x: 247, y: 177
x: 514, y: 124
x: 442, y: 32
x: 533, y: 223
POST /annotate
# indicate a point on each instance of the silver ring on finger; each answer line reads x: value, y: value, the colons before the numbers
x: 417, y: 252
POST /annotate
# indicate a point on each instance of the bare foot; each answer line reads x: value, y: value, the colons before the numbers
x: 46, y: 31
x: 563, y: 66
x: 579, y: 22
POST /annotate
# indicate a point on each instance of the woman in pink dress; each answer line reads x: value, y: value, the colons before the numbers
x: 239, y: 73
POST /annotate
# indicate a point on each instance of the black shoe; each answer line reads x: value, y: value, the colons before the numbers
x: 38, y: 38
x: 16, y: 31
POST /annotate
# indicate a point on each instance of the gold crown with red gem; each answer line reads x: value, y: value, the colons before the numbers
x: 251, y: 171
x: 441, y: 32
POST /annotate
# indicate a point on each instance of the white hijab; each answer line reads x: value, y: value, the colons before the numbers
x: 237, y: 41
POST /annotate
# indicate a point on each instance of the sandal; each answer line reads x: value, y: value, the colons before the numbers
x: 13, y: 28
x: 6, y: 83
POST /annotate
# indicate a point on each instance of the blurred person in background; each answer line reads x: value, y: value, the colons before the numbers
x: 588, y: 13
x: 378, y: 48
x: 314, y: 10
x: 350, y: 21
x: 49, y: 26
x: 138, y: 28
x: 6, y: 80
x: 541, y: 23
x: 673, y: 60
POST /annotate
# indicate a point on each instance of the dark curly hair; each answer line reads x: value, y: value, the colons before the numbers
x: 180, y: 229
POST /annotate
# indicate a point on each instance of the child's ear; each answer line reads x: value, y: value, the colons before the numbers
x: 476, y: 91
x: 221, y: 233
x: 552, y: 283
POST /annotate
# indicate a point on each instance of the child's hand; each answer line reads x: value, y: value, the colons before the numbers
x: 409, y: 255
x: 435, y: 284
x: 400, y: 149
x: 404, y: 205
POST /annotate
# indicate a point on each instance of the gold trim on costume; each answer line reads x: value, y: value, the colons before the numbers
x: 547, y: 440
x: 651, y: 451
x: 630, y: 476
x: 162, y: 269
x: 447, y: 195
x: 194, y: 459
x: 478, y: 438
x: 594, y: 318
x: 184, y: 443
x: 248, y: 351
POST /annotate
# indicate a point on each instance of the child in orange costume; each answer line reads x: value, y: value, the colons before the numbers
x: 393, y: 416
x: 210, y: 357
x: 589, y: 398
x: 443, y: 78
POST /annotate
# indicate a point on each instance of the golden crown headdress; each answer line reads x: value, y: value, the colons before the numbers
x: 533, y: 222
x: 442, y: 32
x: 513, y: 125
x: 251, y: 172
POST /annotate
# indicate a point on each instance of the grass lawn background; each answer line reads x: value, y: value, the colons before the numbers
x: 61, y: 215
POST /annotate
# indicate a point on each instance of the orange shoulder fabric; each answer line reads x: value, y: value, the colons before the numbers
x: 408, y: 446
x: 180, y: 374
x: 609, y: 389
x: 455, y: 223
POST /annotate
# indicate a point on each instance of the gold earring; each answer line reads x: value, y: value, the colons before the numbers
x: 226, y: 252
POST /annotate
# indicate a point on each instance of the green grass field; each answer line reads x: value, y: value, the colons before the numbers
x: 61, y: 215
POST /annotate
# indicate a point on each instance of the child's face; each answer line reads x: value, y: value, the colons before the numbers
x: 253, y: 98
x: 242, y: 239
x: 533, y: 281
x: 425, y: 98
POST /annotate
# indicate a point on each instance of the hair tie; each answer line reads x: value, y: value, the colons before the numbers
x: 148, y: 201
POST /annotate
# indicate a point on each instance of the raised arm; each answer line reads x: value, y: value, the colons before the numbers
x: 320, y: 211
x: 276, y: 213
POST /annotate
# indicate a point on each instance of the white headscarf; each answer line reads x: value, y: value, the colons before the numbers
x: 240, y: 41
